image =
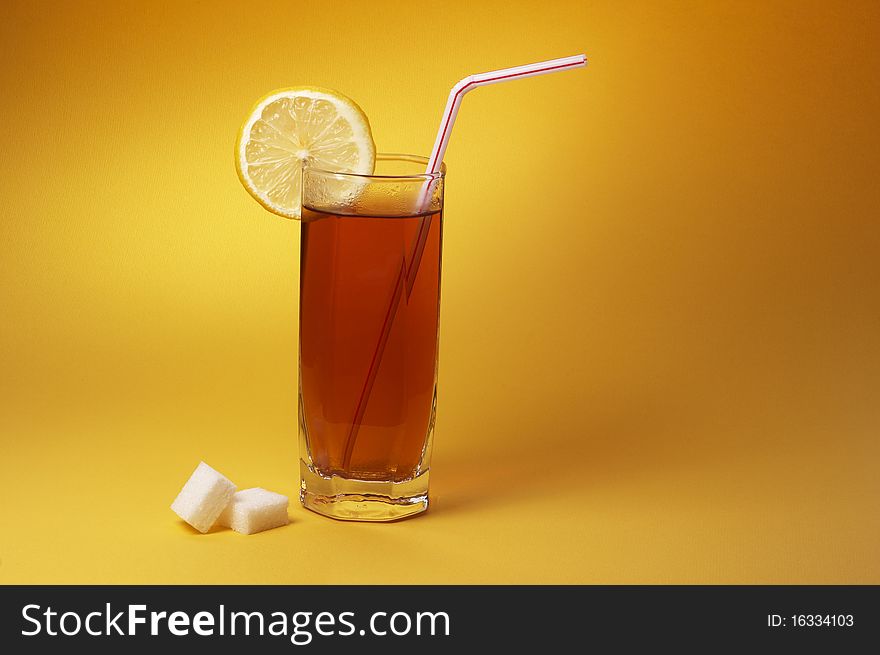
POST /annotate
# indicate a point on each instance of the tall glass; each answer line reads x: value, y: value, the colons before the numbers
x: 369, y: 316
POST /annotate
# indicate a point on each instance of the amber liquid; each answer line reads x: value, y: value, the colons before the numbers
x: 369, y: 316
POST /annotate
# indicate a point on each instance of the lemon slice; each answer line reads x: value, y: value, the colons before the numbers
x: 290, y: 127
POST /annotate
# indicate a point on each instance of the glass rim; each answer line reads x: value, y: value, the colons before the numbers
x: 386, y: 156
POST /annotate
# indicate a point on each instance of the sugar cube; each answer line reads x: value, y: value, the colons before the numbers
x: 204, y: 496
x: 255, y: 510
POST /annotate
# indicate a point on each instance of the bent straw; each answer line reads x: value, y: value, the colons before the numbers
x: 483, y: 79
x: 407, y: 274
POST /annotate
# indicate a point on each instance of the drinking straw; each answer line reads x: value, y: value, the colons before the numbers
x: 407, y: 275
x: 483, y: 79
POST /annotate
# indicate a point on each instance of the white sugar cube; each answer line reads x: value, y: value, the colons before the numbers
x: 204, y: 496
x: 255, y: 510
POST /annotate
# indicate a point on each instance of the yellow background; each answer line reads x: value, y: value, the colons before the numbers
x: 660, y: 352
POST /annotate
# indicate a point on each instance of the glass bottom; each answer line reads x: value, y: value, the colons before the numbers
x: 362, y: 500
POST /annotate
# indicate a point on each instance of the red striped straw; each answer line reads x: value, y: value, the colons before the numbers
x: 482, y: 79
x: 472, y: 82
x: 407, y: 275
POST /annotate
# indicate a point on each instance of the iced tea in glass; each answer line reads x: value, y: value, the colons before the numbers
x: 369, y: 319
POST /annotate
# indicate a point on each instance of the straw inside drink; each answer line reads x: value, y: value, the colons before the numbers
x: 406, y: 277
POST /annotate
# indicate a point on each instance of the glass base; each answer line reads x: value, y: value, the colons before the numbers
x: 362, y: 500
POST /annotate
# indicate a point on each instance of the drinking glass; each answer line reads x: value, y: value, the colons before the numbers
x: 368, y: 340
